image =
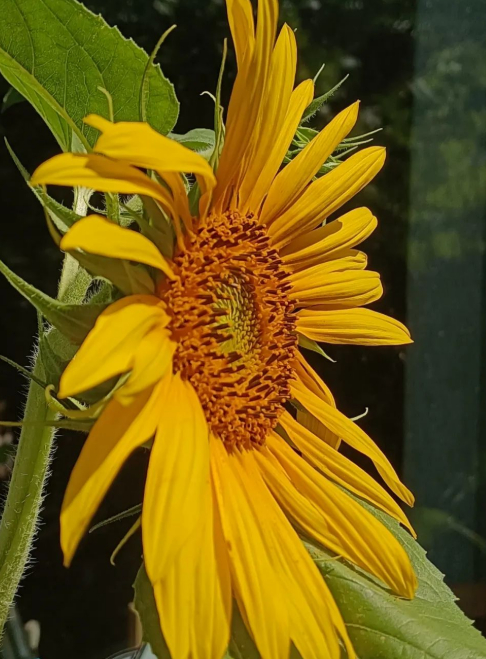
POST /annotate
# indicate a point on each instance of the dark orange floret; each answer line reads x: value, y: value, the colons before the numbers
x: 234, y: 326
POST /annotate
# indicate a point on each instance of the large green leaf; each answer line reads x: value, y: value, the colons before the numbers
x: 383, y: 626
x: 58, y: 54
x: 201, y: 140
x: 380, y: 624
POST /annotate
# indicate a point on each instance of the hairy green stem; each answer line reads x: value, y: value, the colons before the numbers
x: 19, y: 519
x: 24, y: 499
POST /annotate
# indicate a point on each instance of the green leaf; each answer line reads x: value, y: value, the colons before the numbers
x: 62, y: 217
x: 201, y: 140
x: 383, y: 626
x: 58, y: 54
x: 146, y: 608
x: 72, y: 320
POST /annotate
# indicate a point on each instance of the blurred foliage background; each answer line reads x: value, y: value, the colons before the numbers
x: 401, y: 59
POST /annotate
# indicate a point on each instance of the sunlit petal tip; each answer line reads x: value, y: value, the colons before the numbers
x: 380, y: 154
x: 353, y: 111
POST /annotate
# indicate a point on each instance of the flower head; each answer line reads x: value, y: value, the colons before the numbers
x: 206, y: 348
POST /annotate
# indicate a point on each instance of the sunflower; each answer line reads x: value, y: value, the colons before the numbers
x: 206, y: 346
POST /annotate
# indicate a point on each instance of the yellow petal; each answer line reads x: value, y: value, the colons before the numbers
x: 96, y: 235
x: 311, y: 380
x: 338, y: 290
x: 352, y: 326
x: 110, y: 347
x: 137, y: 143
x: 312, y: 612
x: 300, y: 510
x: 194, y: 598
x: 240, y: 17
x: 294, y: 178
x: 353, y: 435
x: 315, y: 274
x: 314, y: 383
x: 317, y: 428
x: 300, y: 99
x: 255, y: 583
x: 330, y: 240
x: 177, y: 480
x: 152, y: 360
x: 116, y: 434
x: 96, y: 172
x: 245, y: 107
x: 363, y: 539
x: 326, y: 195
x: 213, y: 595
x: 268, y: 133
x: 341, y: 470
x: 180, y: 198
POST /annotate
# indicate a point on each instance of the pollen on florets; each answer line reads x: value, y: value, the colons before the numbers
x: 234, y: 325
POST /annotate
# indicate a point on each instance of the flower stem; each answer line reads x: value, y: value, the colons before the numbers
x: 31, y: 467
x: 19, y: 520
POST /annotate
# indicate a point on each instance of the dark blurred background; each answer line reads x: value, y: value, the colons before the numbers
x: 419, y: 68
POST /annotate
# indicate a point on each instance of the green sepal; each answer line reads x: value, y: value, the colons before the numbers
x: 149, y: 73
x: 72, y: 320
x: 146, y: 608
x: 62, y: 217
x: 129, y: 279
x: 309, y: 344
x: 200, y: 140
x: 129, y: 534
x: 318, y: 102
x: 105, y: 293
x: 154, y: 225
x: 194, y: 197
x: 304, y: 135
x: 24, y: 371
x: 134, y: 510
x: 219, y: 127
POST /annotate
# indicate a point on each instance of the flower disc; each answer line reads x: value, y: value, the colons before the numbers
x: 234, y: 325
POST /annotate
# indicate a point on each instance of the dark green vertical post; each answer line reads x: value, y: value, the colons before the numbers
x: 445, y: 391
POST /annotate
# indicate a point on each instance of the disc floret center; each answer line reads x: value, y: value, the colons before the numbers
x: 234, y: 325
